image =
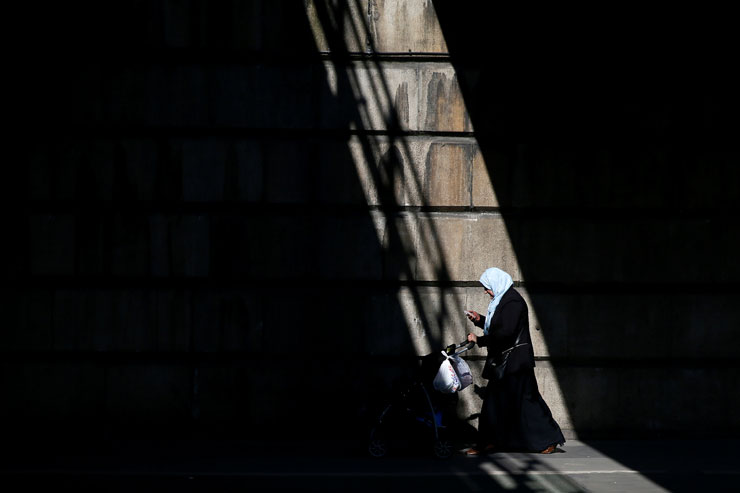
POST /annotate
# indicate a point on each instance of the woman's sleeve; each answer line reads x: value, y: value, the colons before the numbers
x: 482, y: 341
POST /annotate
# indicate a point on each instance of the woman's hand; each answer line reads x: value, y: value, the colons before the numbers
x: 472, y: 338
x: 472, y: 316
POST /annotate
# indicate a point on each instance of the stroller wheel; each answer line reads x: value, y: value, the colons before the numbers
x: 442, y: 449
x: 377, y: 447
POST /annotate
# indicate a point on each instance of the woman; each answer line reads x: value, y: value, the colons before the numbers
x: 514, y: 416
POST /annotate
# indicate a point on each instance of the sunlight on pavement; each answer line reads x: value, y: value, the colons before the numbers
x: 583, y: 469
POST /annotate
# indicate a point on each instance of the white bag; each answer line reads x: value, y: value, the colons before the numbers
x: 446, y: 380
x: 453, y: 375
x: 462, y: 370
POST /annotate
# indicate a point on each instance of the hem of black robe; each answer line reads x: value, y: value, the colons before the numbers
x: 531, y: 417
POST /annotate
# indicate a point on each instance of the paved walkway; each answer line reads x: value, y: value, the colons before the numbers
x: 594, y: 466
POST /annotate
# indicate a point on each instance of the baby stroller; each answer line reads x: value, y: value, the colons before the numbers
x: 420, y: 408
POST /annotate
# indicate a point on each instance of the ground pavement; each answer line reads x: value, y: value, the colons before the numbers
x: 633, y: 466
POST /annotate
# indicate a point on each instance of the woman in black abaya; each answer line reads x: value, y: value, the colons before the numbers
x: 514, y: 416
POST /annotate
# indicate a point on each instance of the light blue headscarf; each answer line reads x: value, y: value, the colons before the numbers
x: 499, y: 282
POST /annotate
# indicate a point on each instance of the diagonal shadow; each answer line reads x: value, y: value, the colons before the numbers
x: 176, y: 207
x: 176, y: 194
x: 380, y: 121
x: 396, y: 164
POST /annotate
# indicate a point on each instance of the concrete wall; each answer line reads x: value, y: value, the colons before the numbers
x: 233, y: 222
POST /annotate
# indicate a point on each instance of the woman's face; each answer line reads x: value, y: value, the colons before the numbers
x: 488, y: 292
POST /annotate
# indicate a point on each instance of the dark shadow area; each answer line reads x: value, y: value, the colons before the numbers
x: 216, y: 229
x: 191, y: 252
x: 610, y: 138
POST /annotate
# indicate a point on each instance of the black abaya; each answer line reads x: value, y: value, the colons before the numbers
x: 515, y: 417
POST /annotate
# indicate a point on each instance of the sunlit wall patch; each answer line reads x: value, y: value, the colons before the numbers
x: 421, y: 171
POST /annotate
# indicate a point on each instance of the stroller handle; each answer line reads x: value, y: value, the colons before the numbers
x: 456, y: 348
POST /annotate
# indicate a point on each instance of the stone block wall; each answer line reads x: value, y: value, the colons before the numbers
x: 250, y: 217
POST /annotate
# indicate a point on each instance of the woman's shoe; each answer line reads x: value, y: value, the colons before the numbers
x: 549, y: 450
x: 473, y: 451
